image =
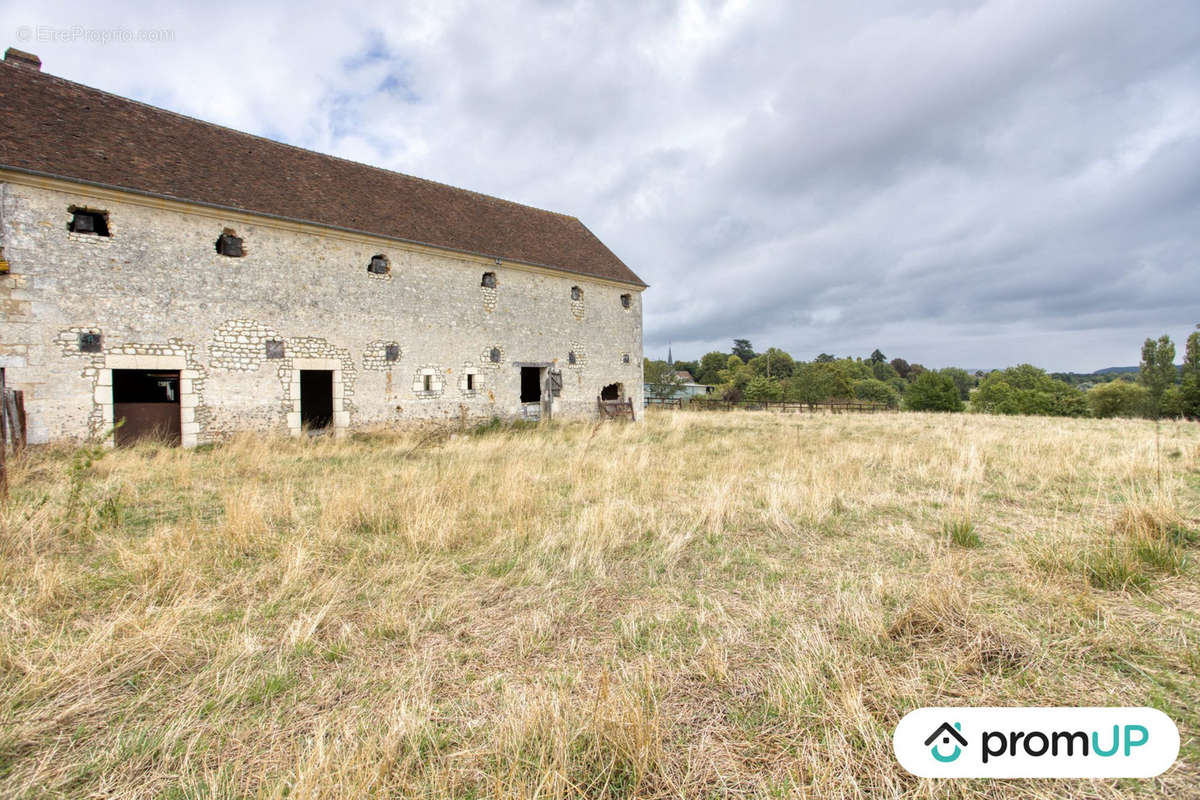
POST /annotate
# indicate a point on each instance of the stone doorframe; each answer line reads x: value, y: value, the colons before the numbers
x: 341, y: 417
x: 188, y: 398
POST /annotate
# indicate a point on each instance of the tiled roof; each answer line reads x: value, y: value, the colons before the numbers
x: 54, y: 127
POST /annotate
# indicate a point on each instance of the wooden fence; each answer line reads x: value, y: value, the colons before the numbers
x: 833, y: 406
x: 615, y: 409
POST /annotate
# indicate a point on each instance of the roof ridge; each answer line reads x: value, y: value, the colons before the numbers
x: 206, y: 123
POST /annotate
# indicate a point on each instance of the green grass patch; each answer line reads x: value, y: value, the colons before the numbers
x: 961, y: 533
x: 1114, y: 567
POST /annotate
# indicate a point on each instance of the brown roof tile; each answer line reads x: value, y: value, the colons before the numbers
x: 55, y: 127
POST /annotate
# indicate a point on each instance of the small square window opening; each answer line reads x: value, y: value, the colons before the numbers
x: 229, y: 244
x: 84, y: 220
x: 89, y: 343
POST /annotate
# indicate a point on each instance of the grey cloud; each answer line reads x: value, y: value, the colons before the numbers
x: 978, y: 183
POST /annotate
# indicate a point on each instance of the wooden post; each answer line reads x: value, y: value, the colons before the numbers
x: 10, y: 414
x: 3, y: 440
x: 21, y: 417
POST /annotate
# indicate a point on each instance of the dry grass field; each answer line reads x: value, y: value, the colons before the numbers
x: 720, y: 605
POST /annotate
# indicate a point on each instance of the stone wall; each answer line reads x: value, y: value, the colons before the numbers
x: 157, y: 289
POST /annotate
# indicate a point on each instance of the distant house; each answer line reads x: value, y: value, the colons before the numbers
x: 689, y: 387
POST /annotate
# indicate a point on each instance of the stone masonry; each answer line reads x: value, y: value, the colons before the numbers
x: 158, y: 296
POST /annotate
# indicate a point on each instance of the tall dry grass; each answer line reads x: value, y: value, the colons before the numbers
x: 704, y: 605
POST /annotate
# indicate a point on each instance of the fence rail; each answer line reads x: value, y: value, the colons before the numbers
x: 833, y: 406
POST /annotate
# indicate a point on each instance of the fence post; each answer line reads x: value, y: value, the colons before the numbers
x: 3, y: 440
x: 14, y: 407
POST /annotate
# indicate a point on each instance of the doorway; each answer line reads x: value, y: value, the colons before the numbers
x: 531, y: 384
x: 535, y: 394
x: 316, y: 399
x: 146, y: 402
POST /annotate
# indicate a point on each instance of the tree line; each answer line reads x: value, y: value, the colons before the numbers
x: 1159, y: 388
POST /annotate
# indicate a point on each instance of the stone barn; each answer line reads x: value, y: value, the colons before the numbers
x: 193, y: 280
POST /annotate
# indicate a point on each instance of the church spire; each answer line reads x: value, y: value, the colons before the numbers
x: 670, y: 361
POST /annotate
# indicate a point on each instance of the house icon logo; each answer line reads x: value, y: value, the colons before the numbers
x: 1036, y: 742
x: 946, y: 732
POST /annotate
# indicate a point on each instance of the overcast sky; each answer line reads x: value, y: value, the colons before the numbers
x: 965, y: 183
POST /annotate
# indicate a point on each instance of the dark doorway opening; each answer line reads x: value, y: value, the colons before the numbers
x: 316, y: 399
x: 148, y: 402
x: 611, y: 392
x: 531, y: 384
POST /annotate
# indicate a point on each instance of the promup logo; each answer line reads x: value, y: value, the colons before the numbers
x: 946, y: 732
x: 1036, y: 742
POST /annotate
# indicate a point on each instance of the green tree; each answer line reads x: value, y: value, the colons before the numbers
x: 1189, y: 388
x: 962, y: 379
x: 1191, y: 354
x: 743, y: 350
x: 856, y: 369
x: 1025, y: 389
x: 1118, y: 399
x: 901, y: 367
x: 1157, y: 371
x: 877, y: 357
x: 774, y: 363
x: 885, y: 372
x: 660, y: 377
x: 818, y: 382
x: 734, y: 378
x: 1171, y: 404
x: 876, y: 391
x: 711, y: 364
x: 932, y: 391
x: 762, y: 389
x: 825, y: 358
